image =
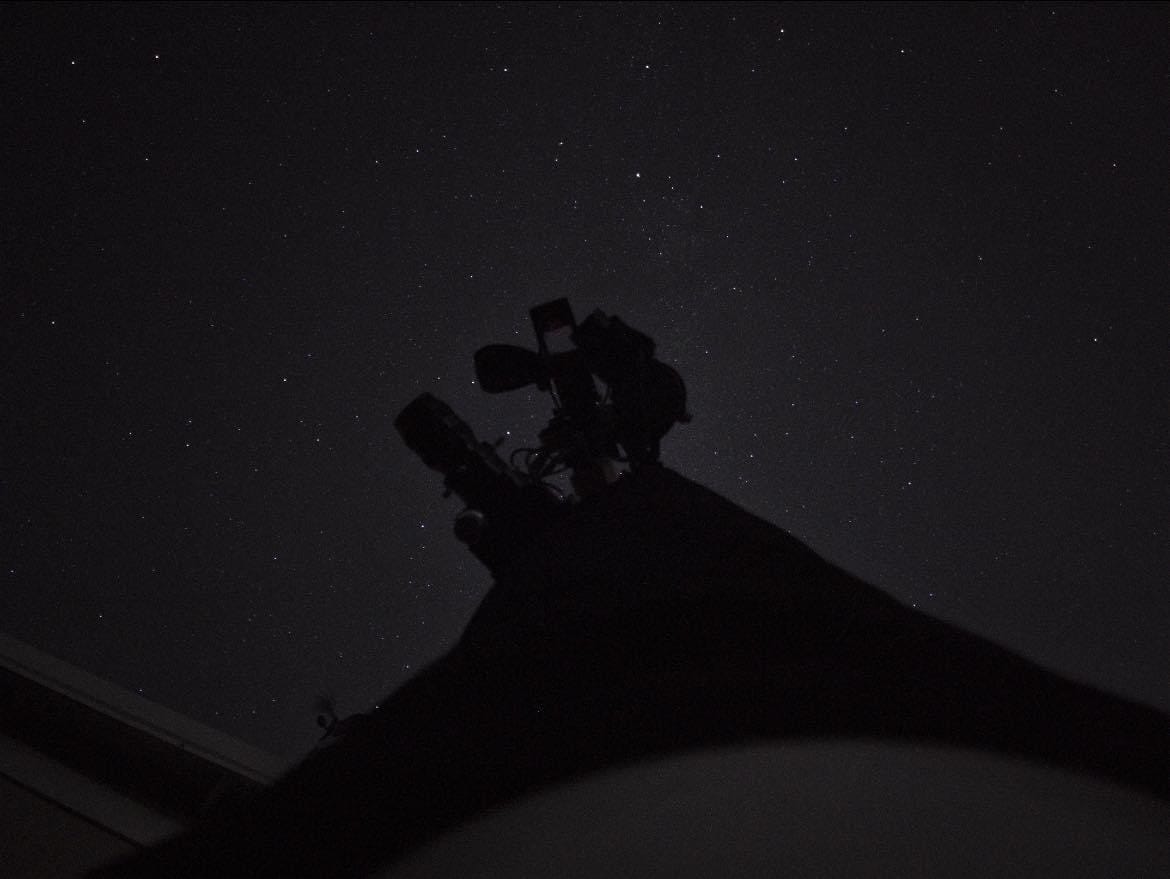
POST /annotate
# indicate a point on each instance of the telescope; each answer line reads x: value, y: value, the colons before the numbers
x: 589, y: 434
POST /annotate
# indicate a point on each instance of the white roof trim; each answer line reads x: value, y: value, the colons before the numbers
x: 181, y: 731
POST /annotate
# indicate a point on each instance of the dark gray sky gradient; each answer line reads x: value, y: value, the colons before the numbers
x: 911, y: 261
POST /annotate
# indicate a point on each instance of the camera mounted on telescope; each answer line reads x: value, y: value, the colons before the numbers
x: 587, y: 436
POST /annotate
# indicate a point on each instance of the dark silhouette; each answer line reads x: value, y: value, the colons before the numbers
x: 333, y: 726
x: 668, y: 619
x: 651, y: 618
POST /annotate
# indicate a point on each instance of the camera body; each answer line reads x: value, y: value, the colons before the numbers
x: 587, y: 436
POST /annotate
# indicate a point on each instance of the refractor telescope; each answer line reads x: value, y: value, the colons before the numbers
x: 588, y: 436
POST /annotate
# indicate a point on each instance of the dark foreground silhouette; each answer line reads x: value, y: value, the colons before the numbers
x: 659, y: 618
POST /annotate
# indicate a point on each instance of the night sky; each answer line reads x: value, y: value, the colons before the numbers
x: 911, y: 261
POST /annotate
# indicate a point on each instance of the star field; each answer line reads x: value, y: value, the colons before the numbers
x: 911, y: 262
